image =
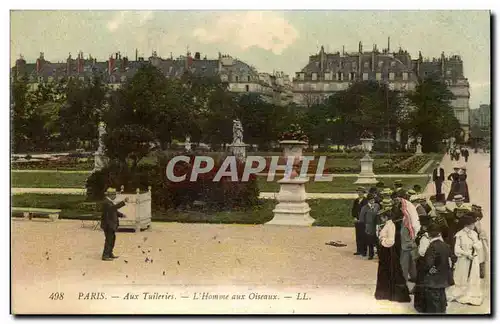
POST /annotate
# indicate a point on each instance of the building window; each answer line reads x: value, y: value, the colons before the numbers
x: 378, y: 76
x: 223, y: 78
x: 448, y: 72
x: 341, y: 64
x: 314, y: 76
x: 391, y: 75
x: 365, y: 76
x: 354, y: 65
x: 328, y: 76
x: 247, y: 88
x: 237, y: 79
x: 248, y: 78
x: 393, y: 64
x: 124, y: 79
x: 352, y: 76
x: 339, y: 76
x: 302, y: 76
x: 380, y: 64
x: 367, y: 64
x: 405, y: 76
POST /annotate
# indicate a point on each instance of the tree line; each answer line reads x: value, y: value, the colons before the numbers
x: 151, y: 108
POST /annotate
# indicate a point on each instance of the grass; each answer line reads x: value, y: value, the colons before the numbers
x: 48, y: 180
x: 326, y: 212
x: 339, y: 184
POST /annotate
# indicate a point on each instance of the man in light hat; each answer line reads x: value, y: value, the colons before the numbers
x: 110, y: 223
x: 358, y: 226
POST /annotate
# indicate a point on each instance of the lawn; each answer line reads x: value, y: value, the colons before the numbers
x: 326, y: 212
x: 339, y: 184
x: 48, y: 180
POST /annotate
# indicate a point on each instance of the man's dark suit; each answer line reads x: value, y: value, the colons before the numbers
x: 359, y: 227
x: 109, y: 224
x: 437, y: 257
x: 438, y: 178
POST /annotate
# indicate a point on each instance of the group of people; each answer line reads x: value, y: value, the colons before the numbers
x: 458, y: 186
x: 442, y: 250
x: 456, y: 152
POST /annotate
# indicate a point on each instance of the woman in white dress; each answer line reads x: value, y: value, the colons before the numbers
x: 468, y: 249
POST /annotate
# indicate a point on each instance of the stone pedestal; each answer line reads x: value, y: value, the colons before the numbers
x: 418, y: 149
x: 100, y: 161
x: 366, y: 176
x: 239, y: 150
x: 292, y: 208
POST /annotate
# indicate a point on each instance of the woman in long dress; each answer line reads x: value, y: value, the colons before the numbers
x: 468, y: 249
x: 463, y: 188
x: 391, y: 285
x: 455, y: 185
x: 422, y: 240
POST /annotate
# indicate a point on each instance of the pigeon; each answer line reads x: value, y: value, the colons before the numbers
x: 83, y: 274
x: 147, y: 259
x: 125, y: 261
x: 238, y: 260
x: 149, y: 251
x: 69, y: 259
x: 178, y: 263
x: 47, y: 258
x: 151, y: 260
x: 138, y: 246
x: 219, y: 242
x: 215, y: 237
x: 145, y: 239
x: 163, y: 272
x: 175, y: 241
x: 159, y: 250
x: 126, y: 276
x: 143, y: 252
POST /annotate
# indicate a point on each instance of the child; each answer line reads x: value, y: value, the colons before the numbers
x: 438, y: 275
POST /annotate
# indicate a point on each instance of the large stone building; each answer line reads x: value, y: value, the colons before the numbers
x: 481, y: 117
x: 241, y: 77
x: 327, y: 73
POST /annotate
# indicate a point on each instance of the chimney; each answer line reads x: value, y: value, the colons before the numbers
x: 39, y: 63
x: 68, y: 65
x: 20, y: 64
x: 322, y: 58
x: 373, y: 57
x: 360, y: 47
x: 197, y: 56
x: 388, y: 44
x: 124, y: 63
x: 189, y: 60
x: 111, y: 64
x: 79, y: 63
x: 136, y: 54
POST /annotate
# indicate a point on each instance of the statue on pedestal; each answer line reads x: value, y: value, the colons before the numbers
x: 187, y: 144
x: 237, y: 132
x: 100, y: 159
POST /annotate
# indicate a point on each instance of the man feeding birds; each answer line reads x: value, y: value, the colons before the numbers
x: 110, y: 223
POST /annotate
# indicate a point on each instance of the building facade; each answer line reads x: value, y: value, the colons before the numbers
x: 481, y: 117
x: 327, y: 73
x: 240, y: 76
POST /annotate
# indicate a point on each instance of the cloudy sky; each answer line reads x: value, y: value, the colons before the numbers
x: 269, y: 40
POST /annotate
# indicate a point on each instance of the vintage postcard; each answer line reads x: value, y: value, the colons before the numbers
x: 250, y: 162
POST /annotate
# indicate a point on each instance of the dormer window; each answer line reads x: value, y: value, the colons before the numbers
x: 393, y: 64
x: 380, y: 64
x: 314, y: 76
x: 366, y: 64
x: 248, y: 78
x: 236, y: 78
x: 123, y: 79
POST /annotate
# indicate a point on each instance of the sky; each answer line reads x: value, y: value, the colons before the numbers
x: 268, y: 40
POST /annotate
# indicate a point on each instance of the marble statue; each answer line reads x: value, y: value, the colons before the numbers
x: 237, y: 132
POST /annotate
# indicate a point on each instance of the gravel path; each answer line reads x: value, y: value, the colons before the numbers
x: 196, y: 258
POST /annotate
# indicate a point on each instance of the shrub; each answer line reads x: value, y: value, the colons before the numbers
x: 223, y: 195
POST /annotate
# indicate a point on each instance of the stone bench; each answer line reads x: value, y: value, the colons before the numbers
x: 28, y: 212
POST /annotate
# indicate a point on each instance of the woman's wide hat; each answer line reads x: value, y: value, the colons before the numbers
x: 468, y: 219
x: 458, y: 198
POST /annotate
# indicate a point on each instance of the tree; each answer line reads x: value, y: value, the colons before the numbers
x: 433, y: 117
